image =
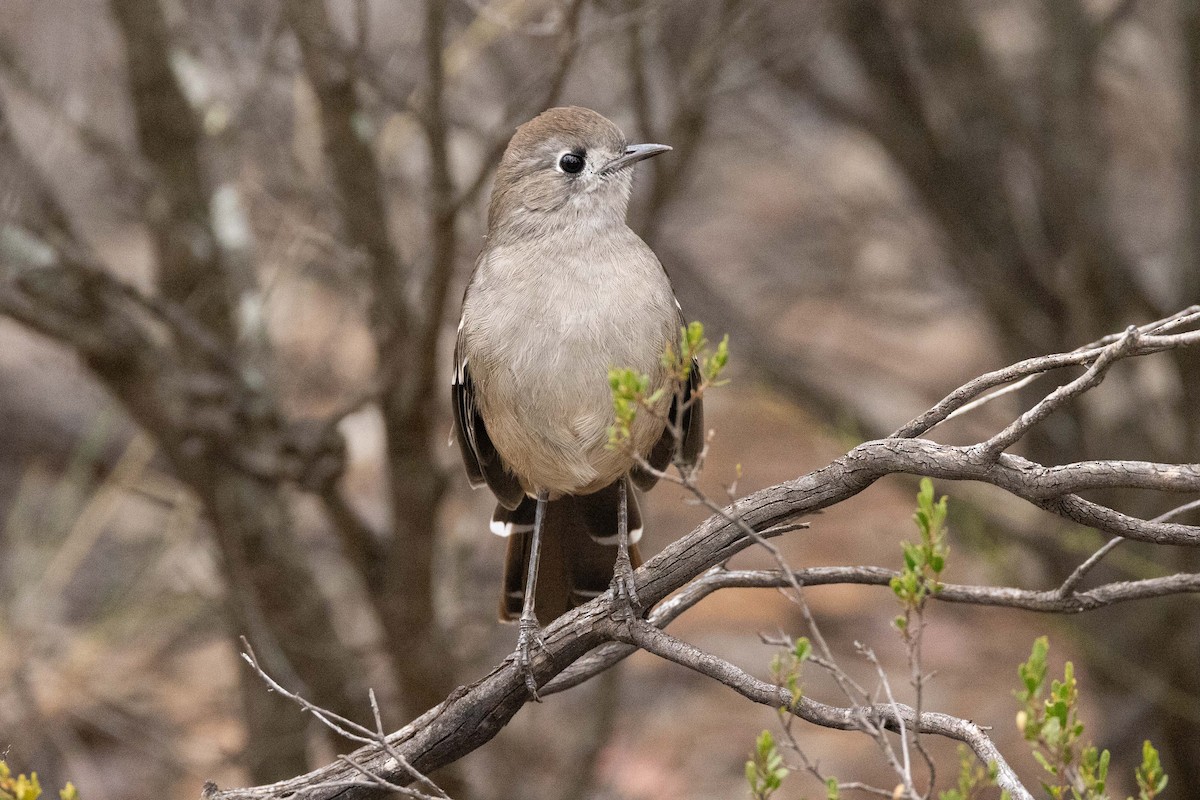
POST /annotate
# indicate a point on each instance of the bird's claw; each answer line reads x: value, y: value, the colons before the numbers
x: 529, y: 636
x: 624, y: 590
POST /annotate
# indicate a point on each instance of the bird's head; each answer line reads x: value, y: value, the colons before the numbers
x: 565, y: 167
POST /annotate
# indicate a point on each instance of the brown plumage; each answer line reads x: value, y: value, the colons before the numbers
x: 562, y: 292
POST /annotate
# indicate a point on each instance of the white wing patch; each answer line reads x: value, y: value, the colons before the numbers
x: 506, y: 529
x: 635, y: 536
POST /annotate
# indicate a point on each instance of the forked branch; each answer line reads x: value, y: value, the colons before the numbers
x: 588, y: 640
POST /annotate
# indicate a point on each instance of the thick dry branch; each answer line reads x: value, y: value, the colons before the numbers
x: 471, y: 715
x: 191, y: 270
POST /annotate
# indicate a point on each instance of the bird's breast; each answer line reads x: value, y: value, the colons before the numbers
x: 540, y: 346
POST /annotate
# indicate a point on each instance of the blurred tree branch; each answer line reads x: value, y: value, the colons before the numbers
x: 525, y: 105
x: 398, y: 570
x: 1015, y: 187
x: 168, y: 360
x: 105, y: 147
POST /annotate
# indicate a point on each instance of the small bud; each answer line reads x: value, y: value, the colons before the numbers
x: 1022, y: 720
x: 898, y: 792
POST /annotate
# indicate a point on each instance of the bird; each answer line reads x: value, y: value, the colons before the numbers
x: 562, y: 292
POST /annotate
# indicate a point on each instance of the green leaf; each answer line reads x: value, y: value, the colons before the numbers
x: 925, y: 493
x: 765, y: 771
x: 1033, y: 671
x: 1151, y: 780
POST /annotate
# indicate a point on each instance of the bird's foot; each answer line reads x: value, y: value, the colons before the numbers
x: 624, y: 590
x: 529, y: 636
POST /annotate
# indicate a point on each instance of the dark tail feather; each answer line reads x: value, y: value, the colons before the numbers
x: 579, y: 548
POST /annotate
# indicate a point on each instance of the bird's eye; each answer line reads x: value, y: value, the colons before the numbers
x: 571, y: 163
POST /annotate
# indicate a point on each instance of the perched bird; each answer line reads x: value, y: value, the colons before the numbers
x: 562, y: 292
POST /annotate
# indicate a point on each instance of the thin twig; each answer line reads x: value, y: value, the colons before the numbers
x: 903, y: 769
x: 687, y: 479
x: 353, y: 731
x: 655, y: 641
x: 1047, y: 405
x: 347, y: 728
x: 1068, y: 586
x: 1164, y: 325
x: 1153, y: 338
x: 389, y: 748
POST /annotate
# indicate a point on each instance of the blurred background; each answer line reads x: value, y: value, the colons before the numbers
x: 233, y: 237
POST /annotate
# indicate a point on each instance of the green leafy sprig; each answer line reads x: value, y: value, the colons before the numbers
x: 923, y: 560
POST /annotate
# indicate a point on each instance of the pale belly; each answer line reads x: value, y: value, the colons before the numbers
x: 541, y: 378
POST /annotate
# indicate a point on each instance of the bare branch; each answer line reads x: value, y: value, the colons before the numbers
x: 471, y: 715
x: 1047, y: 601
x: 354, y: 732
x: 902, y: 768
x: 1073, y: 580
x: 1088, y: 380
x: 335, y: 722
x: 893, y: 716
x: 1068, y: 586
x: 1152, y: 338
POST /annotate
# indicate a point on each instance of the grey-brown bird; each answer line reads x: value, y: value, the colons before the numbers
x: 562, y: 292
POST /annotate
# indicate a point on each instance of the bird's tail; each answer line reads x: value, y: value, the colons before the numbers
x: 579, y: 549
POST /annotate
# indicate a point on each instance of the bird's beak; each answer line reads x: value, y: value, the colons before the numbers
x: 633, y: 154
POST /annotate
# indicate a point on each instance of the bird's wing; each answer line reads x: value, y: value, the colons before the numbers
x: 479, y: 456
x: 690, y: 423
